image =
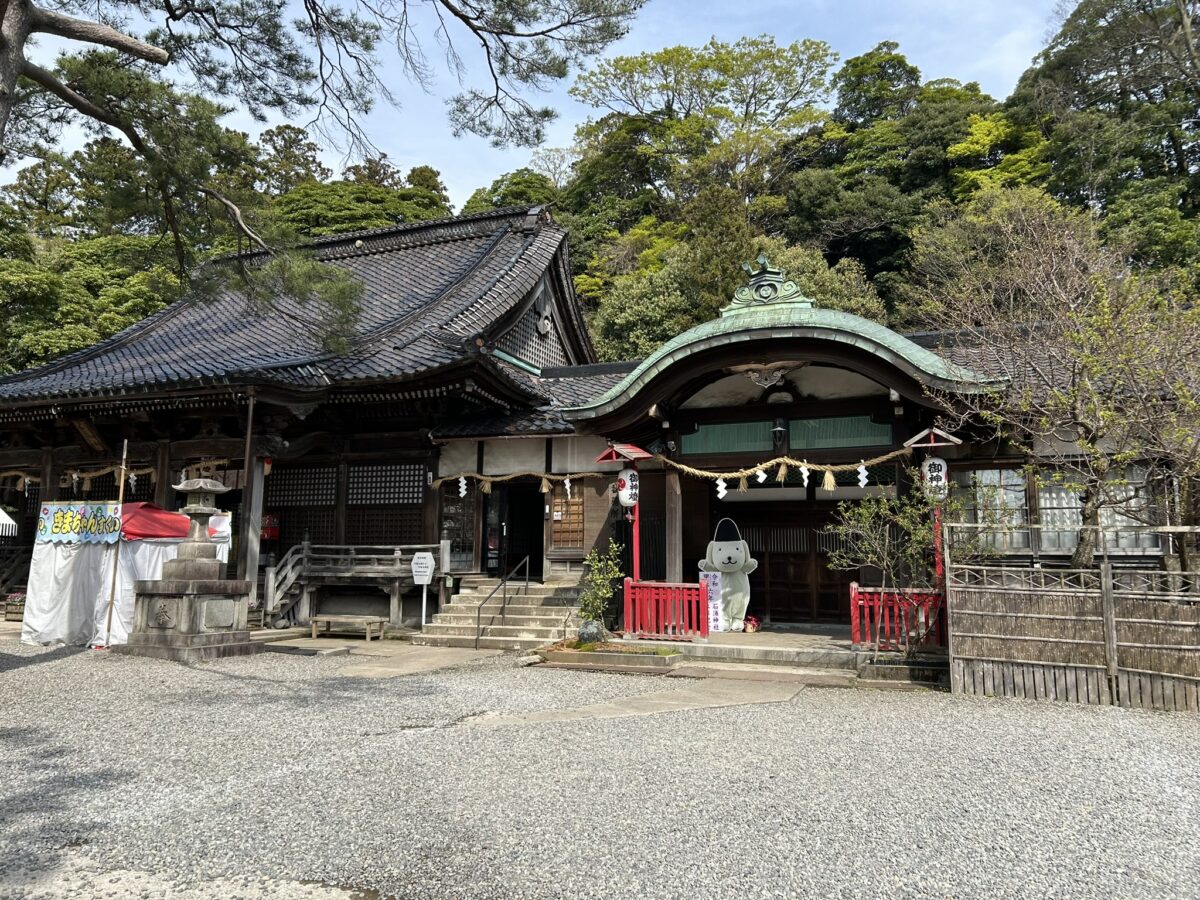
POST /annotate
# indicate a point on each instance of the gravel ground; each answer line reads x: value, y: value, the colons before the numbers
x: 274, y: 776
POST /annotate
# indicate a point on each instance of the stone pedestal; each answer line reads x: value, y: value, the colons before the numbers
x: 190, y: 621
x: 192, y: 614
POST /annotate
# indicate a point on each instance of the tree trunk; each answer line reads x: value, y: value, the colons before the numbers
x: 15, y: 20
x: 1189, y: 514
x: 1089, y: 514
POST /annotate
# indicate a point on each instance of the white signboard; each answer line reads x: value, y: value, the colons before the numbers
x: 422, y: 567
x: 716, y: 615
x: 935, y: 473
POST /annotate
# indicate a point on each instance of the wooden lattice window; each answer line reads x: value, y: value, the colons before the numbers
x: 566, y: 520
x: 402, y: 484
x: 301, y: 486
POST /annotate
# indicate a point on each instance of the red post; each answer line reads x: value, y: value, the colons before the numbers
x: 854, y: 613
x: 630, y: 615
x: 637, y: 543
x: 938, y: 563
x: 637, y: 533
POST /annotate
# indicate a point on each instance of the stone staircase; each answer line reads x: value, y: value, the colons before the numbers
x: 547, y: 613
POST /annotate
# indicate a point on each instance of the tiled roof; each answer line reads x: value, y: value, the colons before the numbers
x: 779, y: 319
x: 428, y: 288
x: 565, y: 386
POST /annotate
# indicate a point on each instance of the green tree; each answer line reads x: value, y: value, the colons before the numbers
x: 524, y: 187
x: 427, y: 178
x: 879, y: 84
x: 724, y: 108
x: 73, y: 294
x: 43, y: 195
x: 289, y: 159
x: 374, y: 170
x: 313, y: 210
x: 998, y: 153
x: 1117, y: 94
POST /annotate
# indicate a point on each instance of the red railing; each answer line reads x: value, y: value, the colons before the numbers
x: 897, y: 619
x: 663, y: 611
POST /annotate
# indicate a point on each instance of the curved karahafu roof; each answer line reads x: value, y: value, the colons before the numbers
x: 771, y: 308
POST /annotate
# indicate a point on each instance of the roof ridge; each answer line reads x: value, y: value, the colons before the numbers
x: 503, y: 212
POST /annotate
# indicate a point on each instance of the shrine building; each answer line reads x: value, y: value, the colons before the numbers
x: 471, y: 409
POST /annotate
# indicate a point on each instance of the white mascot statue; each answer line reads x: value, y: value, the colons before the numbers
x: 730, y: 555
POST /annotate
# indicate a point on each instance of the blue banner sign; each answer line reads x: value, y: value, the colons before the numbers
x: 79, y: 522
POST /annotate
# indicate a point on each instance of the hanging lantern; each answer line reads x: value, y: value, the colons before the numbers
x: 628, y: 487
x: 934, y: 471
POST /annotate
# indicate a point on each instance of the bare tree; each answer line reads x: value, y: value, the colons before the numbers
x: 1023, y: 289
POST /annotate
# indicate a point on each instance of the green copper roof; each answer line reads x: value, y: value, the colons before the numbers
x: 771, y: 306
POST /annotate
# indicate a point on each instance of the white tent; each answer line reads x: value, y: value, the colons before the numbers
x: 66, y: 598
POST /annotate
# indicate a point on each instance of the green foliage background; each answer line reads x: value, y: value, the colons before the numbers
x: 858, y: 176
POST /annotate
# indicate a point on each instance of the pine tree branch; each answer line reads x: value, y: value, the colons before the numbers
x: 82, y: 104
x: 47, y: 21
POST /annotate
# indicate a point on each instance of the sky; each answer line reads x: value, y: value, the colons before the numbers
x: 989, y: 41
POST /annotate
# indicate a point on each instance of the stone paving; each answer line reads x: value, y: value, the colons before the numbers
x: 300, y: 777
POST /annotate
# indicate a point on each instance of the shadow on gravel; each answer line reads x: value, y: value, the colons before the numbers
x: 10, y: 662
x: 314, y: 694
x: 38, y: 810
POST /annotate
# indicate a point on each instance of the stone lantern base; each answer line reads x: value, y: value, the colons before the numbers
x: 190, y: 620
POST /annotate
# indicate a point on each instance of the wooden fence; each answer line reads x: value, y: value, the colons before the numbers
x: 898, y: 620
x: 1105, y: 636
x: 666, y: 611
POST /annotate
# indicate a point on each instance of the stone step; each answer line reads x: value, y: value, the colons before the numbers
x: 485, y: 642
x: 535, y: 590
x: 459, y: 605
x: 545, y: 634
x: 812, y: 658
x: 509, y: 618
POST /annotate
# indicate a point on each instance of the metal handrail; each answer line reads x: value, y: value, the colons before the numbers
x: 503, y: 584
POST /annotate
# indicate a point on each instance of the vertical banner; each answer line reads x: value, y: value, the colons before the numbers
x: 716, y: 613
x: 79, y: 523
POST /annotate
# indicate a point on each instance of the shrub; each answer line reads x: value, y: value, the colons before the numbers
x: 602, y: 572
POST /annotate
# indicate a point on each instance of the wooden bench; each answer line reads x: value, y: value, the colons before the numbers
x: 368, y: 622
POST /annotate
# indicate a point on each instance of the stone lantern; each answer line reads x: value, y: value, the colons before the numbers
x: 193, y: 613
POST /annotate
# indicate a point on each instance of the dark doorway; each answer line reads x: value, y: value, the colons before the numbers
x: 515, y: 528
x: 793, y: 583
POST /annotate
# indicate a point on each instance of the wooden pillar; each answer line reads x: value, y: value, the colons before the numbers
x: 431, y: 512
x: 49, y: 486
x: 339, y: 512
x: 674, y: 523
x: 252, y: 506
x: 162, y: 474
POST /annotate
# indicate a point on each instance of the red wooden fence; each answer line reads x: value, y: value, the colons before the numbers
x: 888, y: 616
x: 665, y: 611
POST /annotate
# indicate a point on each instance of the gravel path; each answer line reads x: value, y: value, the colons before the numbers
x: 274, y: 776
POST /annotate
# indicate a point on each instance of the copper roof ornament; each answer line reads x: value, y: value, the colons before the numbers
x: 766, y: 285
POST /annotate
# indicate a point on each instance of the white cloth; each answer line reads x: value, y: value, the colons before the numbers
x: 69, y: 586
